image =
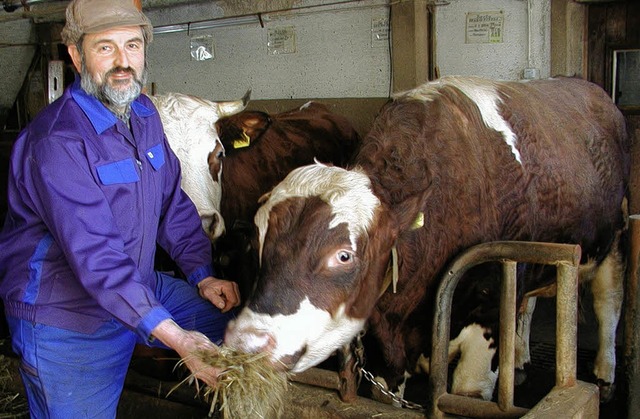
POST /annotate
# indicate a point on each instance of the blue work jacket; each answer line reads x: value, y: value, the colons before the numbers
x: 88, y: 200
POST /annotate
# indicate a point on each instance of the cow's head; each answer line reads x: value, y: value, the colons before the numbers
x: 325, y: 241
x: 189, y: 123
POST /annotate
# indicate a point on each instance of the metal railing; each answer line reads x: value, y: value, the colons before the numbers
x: 566, y: 258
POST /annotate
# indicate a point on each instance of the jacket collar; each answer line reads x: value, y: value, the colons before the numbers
x: 100, y: 117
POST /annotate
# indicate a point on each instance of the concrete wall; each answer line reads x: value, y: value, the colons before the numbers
x: 523, y: 46
x: 18, y: 40
x: 337, y: 55
x: 334, y: 54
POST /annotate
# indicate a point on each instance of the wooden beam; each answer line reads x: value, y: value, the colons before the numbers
x: 410, y: 39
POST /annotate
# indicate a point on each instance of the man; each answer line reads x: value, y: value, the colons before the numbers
x: 93, y: 187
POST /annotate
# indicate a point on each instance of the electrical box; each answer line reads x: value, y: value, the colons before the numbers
x: 530, y: 74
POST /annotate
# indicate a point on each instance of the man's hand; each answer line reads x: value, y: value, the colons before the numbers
x: 223, y: 294
x: 186, y: 344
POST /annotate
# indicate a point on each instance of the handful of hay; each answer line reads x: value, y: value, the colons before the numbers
x: 248, y: 386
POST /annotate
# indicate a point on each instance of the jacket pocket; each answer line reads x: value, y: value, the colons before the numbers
x: 123, y: 171
x: 155, y: 155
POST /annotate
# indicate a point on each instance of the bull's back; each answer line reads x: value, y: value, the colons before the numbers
x: 481, y: 160
x: 574, y: 160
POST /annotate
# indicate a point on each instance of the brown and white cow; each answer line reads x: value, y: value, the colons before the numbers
x: 261, y: 149
x: 477, y: 161
x: 189, y: 124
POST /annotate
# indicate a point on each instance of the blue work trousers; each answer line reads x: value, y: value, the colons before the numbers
x: 68, y: 375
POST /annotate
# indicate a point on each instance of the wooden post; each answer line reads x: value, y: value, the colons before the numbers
x: 632, y: 335
x: 410, y: 34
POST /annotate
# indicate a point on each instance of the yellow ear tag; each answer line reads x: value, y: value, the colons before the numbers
x: 242, y: 142
x: 419, y: 222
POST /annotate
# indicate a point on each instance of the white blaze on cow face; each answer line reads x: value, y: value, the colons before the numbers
x: 301, y: 340
x: 189, y: 124
x: 483, y: 93
x: 347, y: 191
x: 307, y: 335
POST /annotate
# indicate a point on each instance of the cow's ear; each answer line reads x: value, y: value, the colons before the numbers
x: 255, y: 124
x: 377, y: 247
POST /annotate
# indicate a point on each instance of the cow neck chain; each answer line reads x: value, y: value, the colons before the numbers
x: 358, y: 350
x: 391, y: 277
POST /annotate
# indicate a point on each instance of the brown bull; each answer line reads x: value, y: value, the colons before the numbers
x: 447, y: 165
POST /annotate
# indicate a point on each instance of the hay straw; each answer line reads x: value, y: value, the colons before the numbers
x: 249, y: 386
x: 12, y: 404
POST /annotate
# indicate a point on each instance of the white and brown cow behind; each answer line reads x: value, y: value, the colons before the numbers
x: 478, y: 161
x: 189, y: 123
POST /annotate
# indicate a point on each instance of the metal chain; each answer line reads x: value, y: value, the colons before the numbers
x: 358, y: 351
x: 402, y: 402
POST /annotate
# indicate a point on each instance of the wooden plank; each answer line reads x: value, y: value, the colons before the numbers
x: 633, y: 23
x: 616, y: 27
x: 410, y: 47
x: 596, y: 44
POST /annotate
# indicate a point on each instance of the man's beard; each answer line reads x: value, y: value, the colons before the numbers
x: 107, y: 94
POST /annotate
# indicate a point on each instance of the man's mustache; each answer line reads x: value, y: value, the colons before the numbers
x: 122, y: 69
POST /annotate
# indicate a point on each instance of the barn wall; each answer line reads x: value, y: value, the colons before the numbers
x: 521, y: 46
x: 338, y: 53
x: 17, y: 48
x: 334, y: 54
x: 611, y: 26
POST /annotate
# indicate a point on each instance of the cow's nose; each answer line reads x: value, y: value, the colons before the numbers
x: 212, y: 224
x: 248, y: 340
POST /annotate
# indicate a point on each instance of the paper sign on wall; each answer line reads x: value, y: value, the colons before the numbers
x: 484, y: 27
x: 282, y: 40
x: 380, y: 32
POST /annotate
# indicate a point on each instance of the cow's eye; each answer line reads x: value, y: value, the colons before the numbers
x: 341, y: 257
x: 344, y: 257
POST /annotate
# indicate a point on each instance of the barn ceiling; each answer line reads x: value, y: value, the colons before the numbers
x: 53, y: 10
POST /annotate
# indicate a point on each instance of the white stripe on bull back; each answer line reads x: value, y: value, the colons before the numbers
x: 482, y: 92
x: 347, y: 191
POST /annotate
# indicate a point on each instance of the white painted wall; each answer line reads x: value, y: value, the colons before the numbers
x: 334, y: 56
x: 521, y: 48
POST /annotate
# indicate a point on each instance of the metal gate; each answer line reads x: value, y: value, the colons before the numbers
x: 566, y: 258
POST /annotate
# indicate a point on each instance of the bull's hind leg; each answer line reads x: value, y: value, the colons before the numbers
x: 607, y: 287
x: 523, y: 332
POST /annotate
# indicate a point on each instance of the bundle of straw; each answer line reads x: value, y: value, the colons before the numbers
x: 249, y: 386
